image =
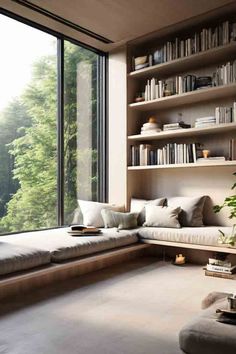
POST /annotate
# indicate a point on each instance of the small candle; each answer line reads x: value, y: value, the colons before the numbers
x: 179, y: 259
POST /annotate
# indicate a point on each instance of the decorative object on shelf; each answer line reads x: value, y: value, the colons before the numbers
x: 229, y: 202
x: 141, y: 62
x: 151, y: 127
x: 139, y: 97
x: 179, y: 259
x: 205, y: 153
x: 203, y: 82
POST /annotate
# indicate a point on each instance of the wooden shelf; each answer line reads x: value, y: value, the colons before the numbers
x: 186, y: 98
x: 211, y: 56
x: 183, y: 165
x: 224, y: 248
x: 219, y: 128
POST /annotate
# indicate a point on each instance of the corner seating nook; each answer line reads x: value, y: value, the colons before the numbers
x: 33, y: 259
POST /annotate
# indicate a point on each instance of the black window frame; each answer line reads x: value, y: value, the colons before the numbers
x: 101, y: 112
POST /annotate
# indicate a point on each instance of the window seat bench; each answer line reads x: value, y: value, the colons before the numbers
x: 32, y: 259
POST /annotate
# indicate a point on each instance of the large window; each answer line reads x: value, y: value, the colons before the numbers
x: 51, y: 127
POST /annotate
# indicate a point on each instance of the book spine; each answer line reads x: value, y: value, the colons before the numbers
x: 221, y: 269
x: 219, y: 275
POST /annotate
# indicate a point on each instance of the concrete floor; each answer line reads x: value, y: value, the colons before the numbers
x: 133, y: 308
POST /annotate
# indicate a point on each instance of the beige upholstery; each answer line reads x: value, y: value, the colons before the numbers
x: 62, y: 246
x: 194, y: 235
x: 15, y: 258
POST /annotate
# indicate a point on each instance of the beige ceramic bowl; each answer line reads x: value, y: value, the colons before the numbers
x: 140, y: 60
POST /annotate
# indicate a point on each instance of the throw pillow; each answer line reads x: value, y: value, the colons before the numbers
x: 192, y: 209
x: 162, y: 216
x: 138, y: 206
x: 91, y: 212
x: 120, y: 220
x: 77, y: 217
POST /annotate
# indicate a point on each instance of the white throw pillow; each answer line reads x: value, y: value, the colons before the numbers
x: 138, y: 206
x: 162, y: 216
x: 92, y: 212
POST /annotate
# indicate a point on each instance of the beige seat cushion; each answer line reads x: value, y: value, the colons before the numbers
x: 207, y: 235
x: 14, y: 258
x: 62, y: 246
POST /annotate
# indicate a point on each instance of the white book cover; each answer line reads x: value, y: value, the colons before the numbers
x: 217, y: 114
x: 234, y: 112
x: 185, y: 153
x: 152, y: 89
x: 142, y: 154
x: 194, y: 152
x: 160, y: 85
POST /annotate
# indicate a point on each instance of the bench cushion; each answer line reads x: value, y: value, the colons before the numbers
x: 207, y: 336
x: 14, y: 258
x: 207, y: 235
x: 63, y: 246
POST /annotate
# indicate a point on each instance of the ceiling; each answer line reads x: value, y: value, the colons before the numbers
x: 124, y: 20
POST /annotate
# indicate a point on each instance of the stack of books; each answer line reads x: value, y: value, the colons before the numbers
x: 175, y: 126
x: 205, y: 122
x: 220, y: 268
x: 82, y: 230
x: 210, y: 159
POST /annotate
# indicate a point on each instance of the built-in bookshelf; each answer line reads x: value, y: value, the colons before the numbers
x: 217, y: 129
x: 213, y: 61
x: 186, y: 98
x: 183, y: 165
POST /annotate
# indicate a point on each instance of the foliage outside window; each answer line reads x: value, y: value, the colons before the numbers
x: 28, y: 130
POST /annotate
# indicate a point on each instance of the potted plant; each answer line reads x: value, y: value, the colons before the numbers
x: 229, y: 202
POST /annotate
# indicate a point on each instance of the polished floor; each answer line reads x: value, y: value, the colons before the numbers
x: 133, y: 308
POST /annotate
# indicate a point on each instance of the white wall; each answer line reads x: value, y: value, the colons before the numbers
x: 117, y: 126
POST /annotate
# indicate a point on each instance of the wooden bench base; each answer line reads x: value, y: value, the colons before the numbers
x: 35, y: 278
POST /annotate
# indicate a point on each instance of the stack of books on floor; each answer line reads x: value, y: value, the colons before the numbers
x: 220, y: 268
x: 82, y: 230
x: 175, y: 126
x: 205, y: 122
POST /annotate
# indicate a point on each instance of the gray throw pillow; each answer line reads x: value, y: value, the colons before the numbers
x: 120, y: 220
x: 192, y: 209
x: 162, y: 216
x: 138, y: 206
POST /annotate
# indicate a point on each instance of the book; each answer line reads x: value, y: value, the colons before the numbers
x: 219, y: 274
x: 81, y: 230
x: 221, y: 269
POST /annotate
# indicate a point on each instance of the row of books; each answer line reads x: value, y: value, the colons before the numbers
x: 200, y: 41
x: 155, y: 88
x: 225, y: 74
x: 220, y: 268
x: 173, y: 153
x: 225, y: 114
